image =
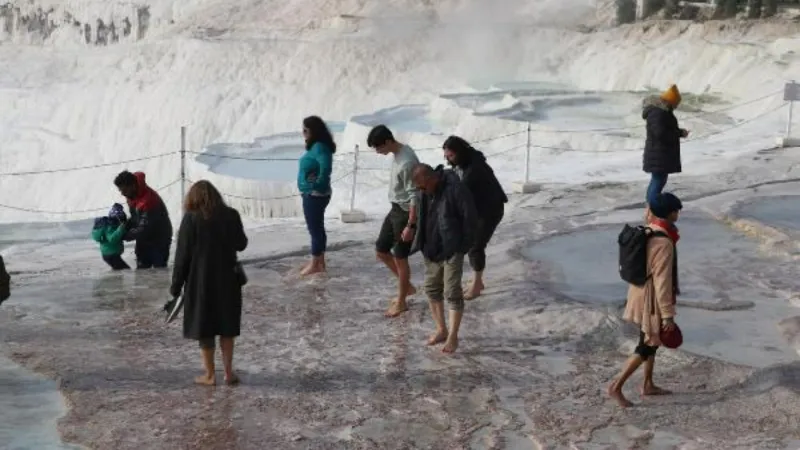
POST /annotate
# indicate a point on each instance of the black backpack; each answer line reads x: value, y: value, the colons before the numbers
x: 5, y: 282
x: 633, y: 253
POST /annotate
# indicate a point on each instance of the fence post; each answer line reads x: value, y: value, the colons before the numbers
x: 353, y: 215
x: 527, y: 187
x: 183, y: 163
x: 791, y: 93
x: 528, y: 156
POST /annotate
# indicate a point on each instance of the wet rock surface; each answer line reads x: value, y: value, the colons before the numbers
x: 321, y: 367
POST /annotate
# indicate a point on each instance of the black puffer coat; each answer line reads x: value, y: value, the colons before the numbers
x: 479, y: 177
x: 662, y: 149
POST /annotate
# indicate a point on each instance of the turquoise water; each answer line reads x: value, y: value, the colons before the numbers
x: 30, y: 405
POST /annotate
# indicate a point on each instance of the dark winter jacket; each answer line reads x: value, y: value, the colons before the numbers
x: 479, y: 177
x: 149, y: 224
x: 204, y: 271
x: 446, y: 219
x: 662, y: 149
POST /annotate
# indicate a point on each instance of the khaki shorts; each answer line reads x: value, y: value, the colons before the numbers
x: 443, y: 281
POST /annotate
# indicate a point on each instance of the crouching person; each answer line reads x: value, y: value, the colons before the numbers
x: 445, y: 233
x: 652, y: 305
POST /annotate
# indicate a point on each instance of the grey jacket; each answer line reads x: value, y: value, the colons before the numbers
x: 452, y: 210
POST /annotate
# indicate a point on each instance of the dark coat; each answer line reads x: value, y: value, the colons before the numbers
x: 446, y: 220
x: 662, y: 149
x: 486, y: 191
x: 204, y: 270
x: 149, y: 224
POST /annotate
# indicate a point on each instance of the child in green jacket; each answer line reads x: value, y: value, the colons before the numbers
x: 108, y: 232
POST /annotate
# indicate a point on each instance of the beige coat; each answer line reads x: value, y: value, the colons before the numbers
x: 647, y: 305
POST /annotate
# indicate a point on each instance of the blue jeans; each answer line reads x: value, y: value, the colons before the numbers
x: 657, y: 183
x: 314, y: 211
x: 151, y: 255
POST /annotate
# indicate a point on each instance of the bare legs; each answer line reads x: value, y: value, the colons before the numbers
x: 648, y: 387
x: 476, y: 287
x: 207, y: 379
x: 207, y: 351
x: 315, y: 265
x: 450, y: 338
x: 398, y: 267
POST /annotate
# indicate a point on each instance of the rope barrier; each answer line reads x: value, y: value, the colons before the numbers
x: 283, y: 197
x: 529, y: 145
x: 93, y: 166
x: 688, y: 141
x: 77, y: 211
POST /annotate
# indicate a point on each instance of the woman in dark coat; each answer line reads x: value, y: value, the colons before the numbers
x: 662, y: 149
x: 206, y: 271
x: 475, y: 173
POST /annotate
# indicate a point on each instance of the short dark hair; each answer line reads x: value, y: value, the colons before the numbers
x: 665, y: 204
x: 379, y: 135
x: 125, y: 178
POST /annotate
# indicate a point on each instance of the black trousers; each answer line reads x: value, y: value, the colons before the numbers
x: 485, y: 231
x: 116, y: 262
x: 645, y: 351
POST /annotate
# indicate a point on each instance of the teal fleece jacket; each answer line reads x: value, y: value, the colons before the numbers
x: 110, y: 239
x: 317, y: 161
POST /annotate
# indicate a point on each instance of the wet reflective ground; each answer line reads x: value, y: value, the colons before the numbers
x: 782, y: 212
x: 321, y: 367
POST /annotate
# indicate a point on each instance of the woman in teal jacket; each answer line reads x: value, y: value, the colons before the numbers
x: 314, y: 184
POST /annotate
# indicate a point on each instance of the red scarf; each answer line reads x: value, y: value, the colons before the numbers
x: 672, y: 230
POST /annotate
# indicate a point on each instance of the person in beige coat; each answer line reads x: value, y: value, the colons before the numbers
x: 652, y: 306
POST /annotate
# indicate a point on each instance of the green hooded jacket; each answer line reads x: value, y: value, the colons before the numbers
x: 110, y: 239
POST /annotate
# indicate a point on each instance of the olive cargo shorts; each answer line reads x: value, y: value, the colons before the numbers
x: 443, y: 281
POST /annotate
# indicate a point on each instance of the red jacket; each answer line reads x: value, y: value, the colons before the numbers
x: 149, y: 216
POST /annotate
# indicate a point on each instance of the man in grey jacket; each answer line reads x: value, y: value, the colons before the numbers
x: 445, y: 233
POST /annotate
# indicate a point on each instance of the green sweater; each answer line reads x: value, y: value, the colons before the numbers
x: 110, y: 239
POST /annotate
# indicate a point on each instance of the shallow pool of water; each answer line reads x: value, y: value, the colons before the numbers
x: 727, y: 309
x: 781, y: 212
x: 30, y: 405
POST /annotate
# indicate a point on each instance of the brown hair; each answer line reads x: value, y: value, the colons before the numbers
x: 203, y: 198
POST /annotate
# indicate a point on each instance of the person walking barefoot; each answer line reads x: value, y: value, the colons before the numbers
x: 445, y: 234
x: 205, y: 272
x: 471, y: 166
x: 314, y: 184
x: 393, y: 245
x: 652, y: 306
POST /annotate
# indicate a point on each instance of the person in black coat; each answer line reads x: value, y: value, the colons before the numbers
x: 489, y: 197
x: 206, y: 270
x: 662, y: 149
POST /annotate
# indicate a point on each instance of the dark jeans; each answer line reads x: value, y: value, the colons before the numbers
x: 116, y: 262
x: 484, y: 232
x: 314, y: 211
x: 152, y: 255
x: 657, y: 183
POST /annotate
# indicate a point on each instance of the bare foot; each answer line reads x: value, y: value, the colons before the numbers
x: 396, y: 309
x: 205, y: 380
x: 437, y: 338
x: 654, y: 390
x: 311, y: 269
x: 616, y: 394
x: 450, y: 345
x: 232, y: 379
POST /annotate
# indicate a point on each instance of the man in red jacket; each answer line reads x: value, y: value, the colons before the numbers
x: 149, y: 225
